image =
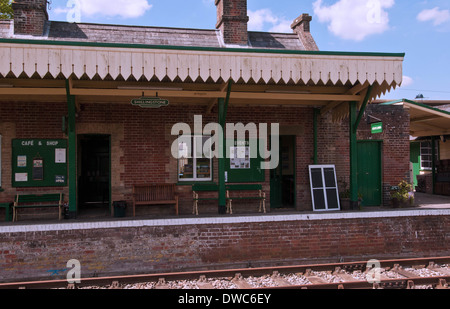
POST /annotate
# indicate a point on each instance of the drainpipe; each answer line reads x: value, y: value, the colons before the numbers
x: 433, y: 164
x: 316, y: 157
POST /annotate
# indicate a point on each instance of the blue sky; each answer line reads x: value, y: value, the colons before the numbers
x: 421, y: 29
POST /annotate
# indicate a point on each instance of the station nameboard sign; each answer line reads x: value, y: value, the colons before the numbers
x: 147, y: 102
x: 377, y: 127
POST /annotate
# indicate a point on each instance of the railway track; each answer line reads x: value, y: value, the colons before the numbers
x: 423, y: 273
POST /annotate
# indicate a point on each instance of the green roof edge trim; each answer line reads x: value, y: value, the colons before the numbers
x: 194, y: 48
x: 416, y: 103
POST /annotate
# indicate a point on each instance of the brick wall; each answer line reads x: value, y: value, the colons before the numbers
x: 232, y: 21
x: 141, y: 143
x: 30, y: 16
x: 150, y: 249
x: 396, y: 144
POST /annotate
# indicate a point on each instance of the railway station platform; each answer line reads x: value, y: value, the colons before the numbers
x: 122, y: 246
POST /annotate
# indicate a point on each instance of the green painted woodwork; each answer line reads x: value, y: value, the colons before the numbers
x: 414, y: 158
x: 369, y: 172
x: 195, y: 48
x: 37, y: 163
x: 72, y: 137
x: 353, y: 156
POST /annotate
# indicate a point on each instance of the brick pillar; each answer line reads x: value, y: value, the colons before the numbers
x: 232, y: 21
x: 301, y: 26
x: 30, y: 16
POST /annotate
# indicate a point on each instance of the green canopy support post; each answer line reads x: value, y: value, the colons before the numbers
x: 363, y: 108
x: 72, y: 153
x: 353, y: 158
x: 316, y: 115
x: 223, y: 108
x: 433, y: 164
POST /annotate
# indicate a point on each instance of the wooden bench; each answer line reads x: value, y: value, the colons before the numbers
x: 261, y: 196
x: 27, y: 201
x: 197, y: 188
x: 203, y: 188
x: 155, y: 194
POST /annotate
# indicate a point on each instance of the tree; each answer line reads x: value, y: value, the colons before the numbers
x: 6, y: 11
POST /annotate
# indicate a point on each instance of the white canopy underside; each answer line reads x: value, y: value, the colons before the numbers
x: 72, y: 61
x: 113, y: 63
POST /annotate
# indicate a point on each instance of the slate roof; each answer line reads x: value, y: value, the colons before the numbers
x: 163, y: 36
x: 104, y: 33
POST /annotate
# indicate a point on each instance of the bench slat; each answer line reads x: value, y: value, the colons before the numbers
x: 23, y: 201
x: 154, y: 194
x: 196, y: 188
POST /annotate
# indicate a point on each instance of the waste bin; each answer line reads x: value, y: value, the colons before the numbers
x: 8, y: 211
x: 120, y: 209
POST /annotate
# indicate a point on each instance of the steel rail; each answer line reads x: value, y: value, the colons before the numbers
x: 230, y: 273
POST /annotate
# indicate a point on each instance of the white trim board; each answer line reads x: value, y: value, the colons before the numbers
x: 218, y: 220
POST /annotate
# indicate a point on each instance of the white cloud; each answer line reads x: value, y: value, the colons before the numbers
x: 407, y: 81
x: 265, y: 18
x: 108, y: 8
x: 122, y: 8
x: 355, y: 19
x: 435, y: 15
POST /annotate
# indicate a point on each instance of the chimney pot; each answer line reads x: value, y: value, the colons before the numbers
x: 303, y: 21
x: 301, y: 27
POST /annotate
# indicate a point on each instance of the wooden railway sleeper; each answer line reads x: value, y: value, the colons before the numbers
x: 399, y: 270
x: 279, y: 280
x: 115, y: 285
x: 204, y: 284
x: 341, y: 273
x: 433, y: 266
x: 397, y: 284
x: 442, y: 284
x: 161, y: 285
x: 240, y: 282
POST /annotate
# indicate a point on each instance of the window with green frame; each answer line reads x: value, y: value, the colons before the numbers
x: 426, y: 162
x: 194, y: 158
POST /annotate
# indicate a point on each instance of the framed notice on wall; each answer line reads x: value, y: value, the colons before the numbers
x: 243, y: 161
x: 39, y: 163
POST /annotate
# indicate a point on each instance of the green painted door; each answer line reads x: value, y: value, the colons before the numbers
x: 415, y: 161
x: 369, y: 172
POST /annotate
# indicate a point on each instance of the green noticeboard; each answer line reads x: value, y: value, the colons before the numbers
x: 39, y: 163
x: 243, y: 162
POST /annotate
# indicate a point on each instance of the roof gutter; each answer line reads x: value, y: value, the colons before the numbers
x: 195, y: 48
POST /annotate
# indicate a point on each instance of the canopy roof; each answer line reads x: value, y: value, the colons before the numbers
x: 261, y: 76
x: 425, y: 120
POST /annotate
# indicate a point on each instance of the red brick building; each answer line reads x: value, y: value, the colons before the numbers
x: 74, y: 82
x: 68, y: 124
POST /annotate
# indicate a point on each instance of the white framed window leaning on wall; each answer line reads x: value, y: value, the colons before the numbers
x: 194, y: 158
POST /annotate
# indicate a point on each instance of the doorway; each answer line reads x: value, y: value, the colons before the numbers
x: 94, y: 174
x: 282, y: 178
x: 369, y: 172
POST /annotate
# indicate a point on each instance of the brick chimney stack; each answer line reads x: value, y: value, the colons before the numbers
x: 30, y: 16
x: 301, y: 26
x: 232, y: 20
